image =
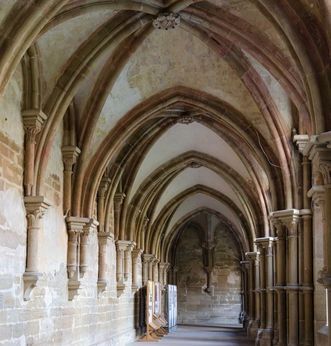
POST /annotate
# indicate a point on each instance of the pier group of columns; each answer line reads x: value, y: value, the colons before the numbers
x: 281, y: 270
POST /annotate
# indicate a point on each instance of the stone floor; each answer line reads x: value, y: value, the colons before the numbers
x: 203, y: 336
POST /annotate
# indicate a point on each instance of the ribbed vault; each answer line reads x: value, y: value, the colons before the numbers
x: 163, y: 121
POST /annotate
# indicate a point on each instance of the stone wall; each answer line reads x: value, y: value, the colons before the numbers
x: 49, y: 317
x: 222, y: 305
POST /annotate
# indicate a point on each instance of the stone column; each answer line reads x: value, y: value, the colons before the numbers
x: 319, y: 152
x: 307, y: 280
x: 33, y: 120
x: 281, y: 283
x: 104, y: 184
x: 89, y: 228
x: 156, y: 270
x: 251, y: 328
x: 130, y: 245
x: 151, y: 268
x: 136, y: 260
x: 265, y: 246
x: 253, y: 257
x: 75, y: 226
x: 118, y: 201
x: 165, y: 273
x: 103, y: 238
x: 69, y: 155
x: 36, y: 207
x: 120, y: 250
x: 244, y: 293
x: 290, y: 219
x: 145, y: 265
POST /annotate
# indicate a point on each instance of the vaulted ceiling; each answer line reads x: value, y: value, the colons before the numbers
x: 196, y: 117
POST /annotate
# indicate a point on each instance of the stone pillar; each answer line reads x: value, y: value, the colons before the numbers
x: 103, y: 238
x: 253, y: 258
x: 156, y: 270
x: 319, y: 152
x: 265, y: 246
x: 307, y: 280
x: 33, y: 120
x: 104, y: 184
x: 128, y: 259
x: 281, y: 283
x: 145, y: 267
x: 251, y: 328
x: 36, y: 207
x: 118, y: 201
x: 136, y: 260
x: 121, y: 246
x: 69, y: 155
x: 244, y: 293
x: 165, y: 273
x: 75, y: 226
x: 290, y: 219
x: 89, y: 228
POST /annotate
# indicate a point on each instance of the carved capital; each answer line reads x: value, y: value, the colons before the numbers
x: 252, y: 256
x: 35, y: 207
x: 33, y: 120
x: 125, y: 245
x: 103, y: 237
x: 75, y: 225
x: 317, y: 194
x: 136, y: 254
x: 301, y: 142
x: 288, y: 217
x: 118, y: 200
x: 70, y: 154
x: 90, y: 227
x: 148, y: 258
x: 104, y: 184
x: 264, y: 242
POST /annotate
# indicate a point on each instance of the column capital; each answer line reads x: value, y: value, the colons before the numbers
x: 125, y: 245
x: 148, y: 258
x: 252, y: 256
x: 119, y: 198
x: 103, y: 186
x: 136, y: 253
x: 164, y: 265
x: 285, y: 217
x: 264, y: 242
x: 301, y: 142
x: 317, y: 194
x: 90, y: 227
x: 103, y: 237
x: 70, y: 154
x: 35, y: 206
x: 76, y: 224
x: 33, y: 120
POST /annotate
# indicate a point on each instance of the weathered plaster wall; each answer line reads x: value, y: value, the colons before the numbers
x: 49, y: 318
x: 223, y: 304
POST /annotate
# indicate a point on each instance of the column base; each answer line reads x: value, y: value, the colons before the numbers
x: 264, y: 337
x: 30, y: 280
x: 252, y: 328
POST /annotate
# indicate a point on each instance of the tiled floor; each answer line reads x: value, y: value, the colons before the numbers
x: 203, y: 336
